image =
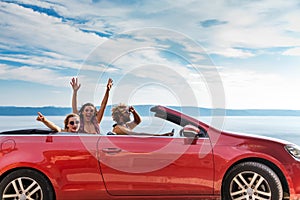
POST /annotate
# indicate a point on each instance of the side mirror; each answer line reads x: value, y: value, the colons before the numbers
x: 190, y: 133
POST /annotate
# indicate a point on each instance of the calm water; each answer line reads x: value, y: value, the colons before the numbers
x: 287, y: 128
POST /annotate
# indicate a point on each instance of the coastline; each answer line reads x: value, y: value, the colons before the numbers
x: 144, y: 110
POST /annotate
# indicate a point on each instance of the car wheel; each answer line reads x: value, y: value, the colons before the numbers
x: 25, y: 184
x: 252, y: 180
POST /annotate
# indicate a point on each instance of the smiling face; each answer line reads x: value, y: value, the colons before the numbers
x: 88, y: 113
x: 73, y: 124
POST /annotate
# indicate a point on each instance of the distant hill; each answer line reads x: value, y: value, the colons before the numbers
x: 29, y: 111
x: 144, y: 110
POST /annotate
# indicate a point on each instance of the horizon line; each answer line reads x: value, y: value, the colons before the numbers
x: 63, y: 107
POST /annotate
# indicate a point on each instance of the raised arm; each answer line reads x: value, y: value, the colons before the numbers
x: 100, y: 113
x: 48, y: 123
x: 136, y: 118
x: 75, y: 86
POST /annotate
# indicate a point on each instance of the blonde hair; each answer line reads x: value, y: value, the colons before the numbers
x: 118, y: 111
x: 66, y: 121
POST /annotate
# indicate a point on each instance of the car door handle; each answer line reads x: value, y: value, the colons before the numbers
x: 111, y: 150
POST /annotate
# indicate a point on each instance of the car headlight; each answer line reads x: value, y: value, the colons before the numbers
x: 294, y: 150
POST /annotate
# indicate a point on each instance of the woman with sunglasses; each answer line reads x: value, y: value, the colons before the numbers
x: 89, y: 116
x: 72, y: 123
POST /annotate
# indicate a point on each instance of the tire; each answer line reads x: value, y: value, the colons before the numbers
x: 251, y: 180
x: 25, y: 184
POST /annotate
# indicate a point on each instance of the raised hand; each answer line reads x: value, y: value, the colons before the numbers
x: 74, y: 84
x: 131, y: 109
x: 40, y: 117
x: 170, y: 133
x: 109, y: 83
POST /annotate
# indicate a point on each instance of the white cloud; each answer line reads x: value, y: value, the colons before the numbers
x: 46, y: 46
x: 250, y: 25
x: 36, y: 33
x: 250, y: 89
x: 292, y: 52
x: 30, y: 74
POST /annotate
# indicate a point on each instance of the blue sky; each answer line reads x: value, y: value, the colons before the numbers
x: 231, y: 54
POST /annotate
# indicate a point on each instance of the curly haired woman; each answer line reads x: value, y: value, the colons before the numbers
x: 121, y: 115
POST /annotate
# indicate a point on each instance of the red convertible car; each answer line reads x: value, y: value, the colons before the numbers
x: 198, y: 162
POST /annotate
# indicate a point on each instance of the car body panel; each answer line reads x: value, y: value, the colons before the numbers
x: 84, y: 166
x: 156, y: 166
x: 65, y: 160
x: 246, y: 147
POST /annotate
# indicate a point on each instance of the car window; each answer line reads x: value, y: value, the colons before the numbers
x: 157, y: 125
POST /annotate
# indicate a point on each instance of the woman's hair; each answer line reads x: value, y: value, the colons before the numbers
x: 85, y: 105
x: 118, y: 111
x: 93, y: 120
x: 66, y: 121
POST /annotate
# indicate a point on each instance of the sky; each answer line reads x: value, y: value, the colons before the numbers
x: 229, y: 54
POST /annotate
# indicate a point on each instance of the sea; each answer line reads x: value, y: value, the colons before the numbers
x: 280, y: 127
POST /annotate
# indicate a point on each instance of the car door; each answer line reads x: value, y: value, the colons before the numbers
x: 156, y: 165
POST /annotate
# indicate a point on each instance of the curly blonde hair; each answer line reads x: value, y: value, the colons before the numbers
x: 118, y: 111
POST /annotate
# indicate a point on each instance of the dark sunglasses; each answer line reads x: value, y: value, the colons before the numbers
x: 72, y: 122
